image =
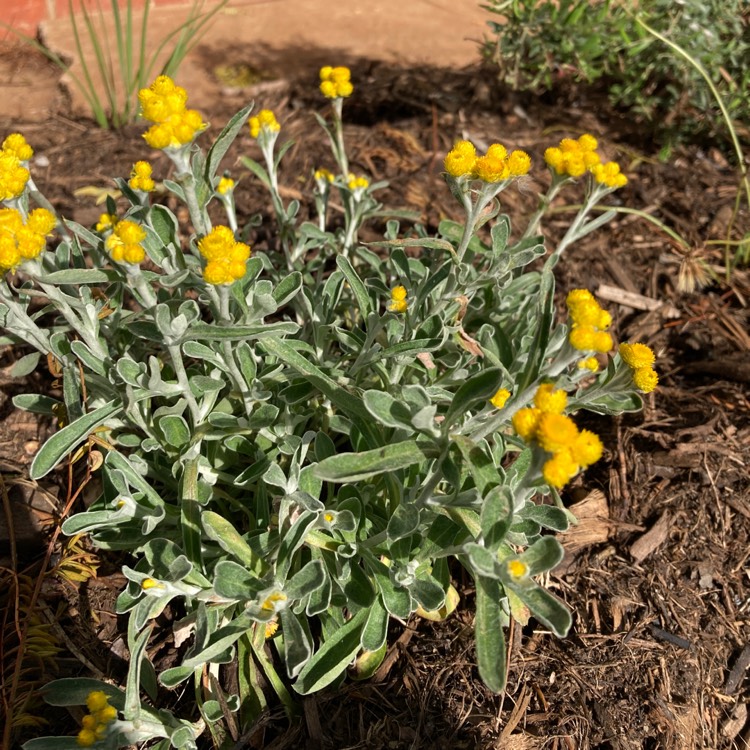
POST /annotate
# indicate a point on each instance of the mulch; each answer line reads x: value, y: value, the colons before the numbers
x: 656, y: 573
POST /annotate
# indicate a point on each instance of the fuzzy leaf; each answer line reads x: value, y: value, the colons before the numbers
x: 63, y: 442
x: 352, y: 467
x: 488, y: 633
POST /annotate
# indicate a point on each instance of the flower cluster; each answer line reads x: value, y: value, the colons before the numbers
x: 398, y: 302
x: 140, y: 177
x: 124, y: 244
x: 226, y: 185
x: 496, y: 165
x: 576, y: 157
x: 164, y: 104
x: 640, y: 359
x: 226, y: 258
x: 21, y: 240
x: 265, y: 121
x: 14, y: 175
x: 555, y: 433
x: 590, y: 322
x: 96, y: 724
x: 335, y: 83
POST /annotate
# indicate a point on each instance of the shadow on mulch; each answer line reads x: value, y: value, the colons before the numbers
x: 657, y: 572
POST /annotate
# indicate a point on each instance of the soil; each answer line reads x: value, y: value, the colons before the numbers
x: 657, y: 571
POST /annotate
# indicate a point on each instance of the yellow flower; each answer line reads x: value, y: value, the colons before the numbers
x: 13, y: 176
x: 164, y: 104
x: 587, y: 142
x: 609, y: 174
x: 398, y: 302
x: 582, y: 338
x: 150, y: 583
x: 519, y: 163
x: 357, y: 183
x: 645, y: 379
x: 556, y: 432
x: 602, y: 342
x: 461, y: 159
x: 140, y: 177
x: 264, y: 120
x: 86, y: 738
x: 560, y: 469
x: 21, y: 241
x: 590, y: 363
x: 525, y: 422
x: 550, y: 401
x: 226, y: 185
x: 335, y: 82
x: 269, y: 604
x: 637, y: 355
x: 16, y: 144
x: 586, y: 448
x: 517, y: 569
x: 500, y: 397
x: 492, y: 167
x: 271, y: 627
x: 106, y: 221
x: 41, y: 221
x: 227, y: 258
x: 323, y: 175
x: 96, y: 700
x: 124, y: 242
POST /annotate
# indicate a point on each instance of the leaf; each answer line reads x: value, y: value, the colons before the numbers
x: 297, y: 645
x: 224, y: 141
x: 175, y: 429
x: 165, y: 224
x: 488, y: 633
x: 352, y: 467
x: 63, y: 442
x: 348, y: 403
x: 496, y: 516
x: 403, y: 522
x: 387, y: 410
x: 482, y: 467
x: 375, y: 632
x: 209, y: 332
x: 73, y: 691
x: 81, y: 276
x: 543, y: 555
x: 36, y: 403
x: 232, y: 581
x: 358, y: 288
x: 547, y: 516
x: 287, y: 288
x: 306, y: 580
x: 480, y: 387
x: 548, y: 609
x: 25, y: 365
x: 333, y: 657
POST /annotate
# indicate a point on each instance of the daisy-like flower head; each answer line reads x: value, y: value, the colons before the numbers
x: 645, y: 379
x: 555, y: 432
x: 609, y: 174
x: 140, y: 177
x: 461, y: 159
x: 264, y: 121
x: 637, y: 355
x: 335, y: 83
x: 560, y: 469
x: 589, y: 322
x: 399, y: 303
x: 549, y: 400
x: 525, y: 422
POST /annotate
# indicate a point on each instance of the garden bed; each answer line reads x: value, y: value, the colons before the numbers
x: 657, y: 572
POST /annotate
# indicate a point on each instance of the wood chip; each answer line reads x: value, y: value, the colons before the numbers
x: 652, y: 539
x: 734, y: 724
x: 737, y: 673
x: 635, y: 301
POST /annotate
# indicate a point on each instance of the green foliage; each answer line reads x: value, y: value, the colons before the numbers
x: 124, y: 56
x: 538, y: 44
x: 295, y: 457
